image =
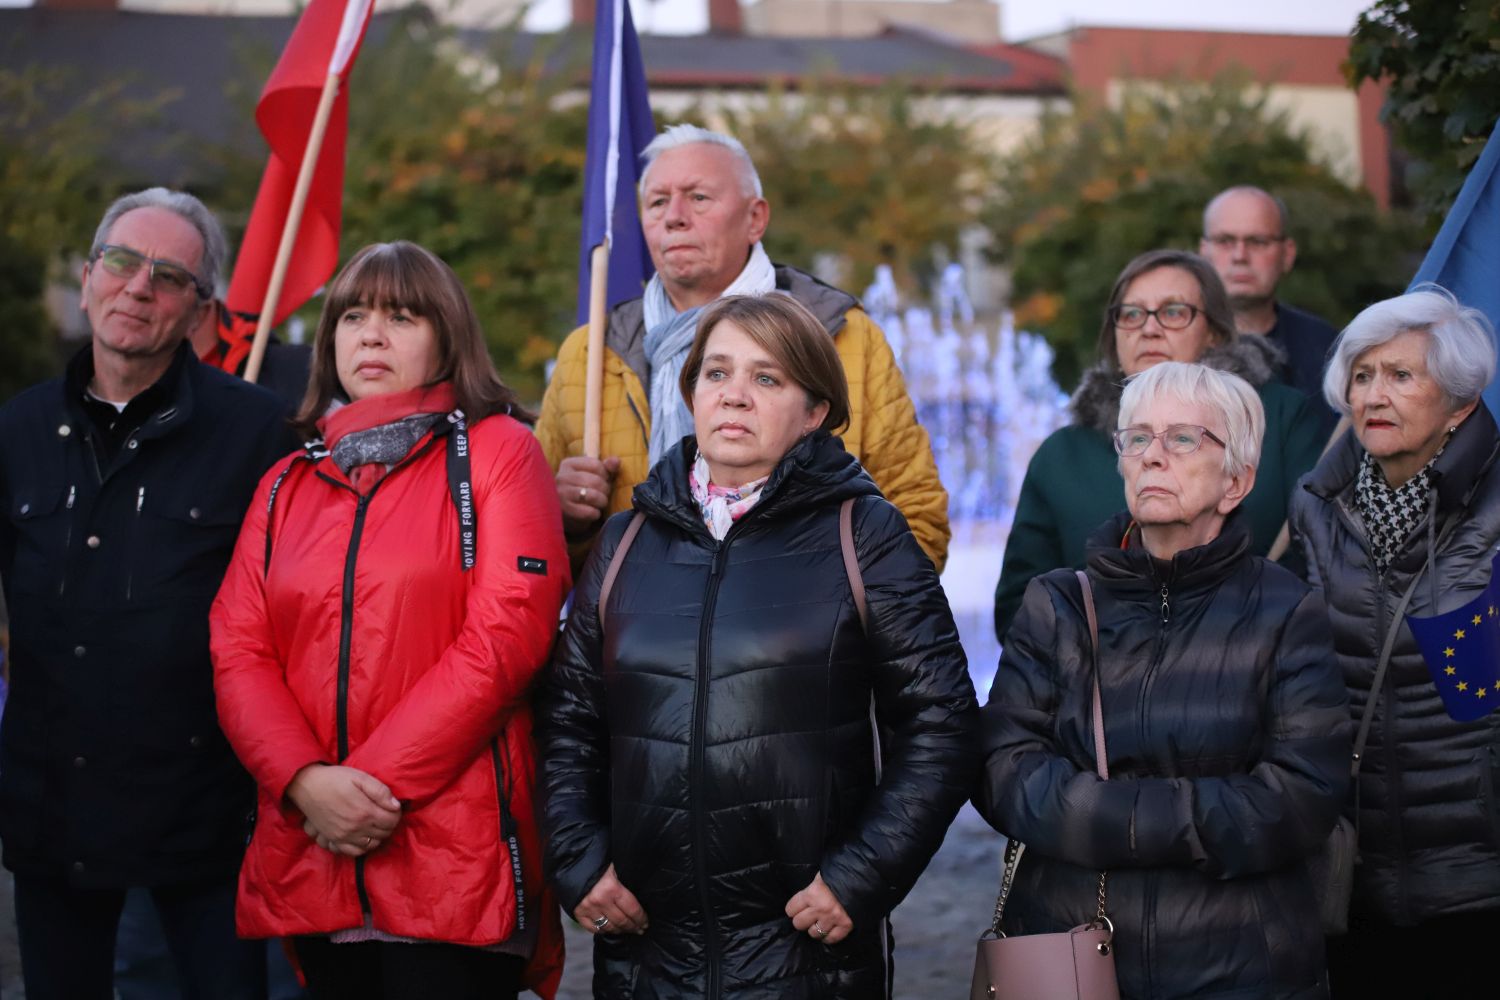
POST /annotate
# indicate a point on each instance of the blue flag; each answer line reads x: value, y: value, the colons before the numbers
x: 620, y: 126
x: 1465, y: 257
x: 1462, y: 650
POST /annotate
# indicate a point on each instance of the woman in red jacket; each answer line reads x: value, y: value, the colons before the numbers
x: 395, y: 588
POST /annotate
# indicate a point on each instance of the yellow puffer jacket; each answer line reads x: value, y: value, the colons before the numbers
x: 883, y: 432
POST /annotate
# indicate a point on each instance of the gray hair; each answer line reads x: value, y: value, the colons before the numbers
x: 1228, y: 395
x: 674, y: 136
x: 1281, y: 212
x: 1460, y: 343
x: 215, y: 246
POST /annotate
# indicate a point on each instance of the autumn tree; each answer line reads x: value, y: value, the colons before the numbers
x: 1100, y: 183
x: 55, y: 176
x: 1441, y: 61
x: 866, y: 175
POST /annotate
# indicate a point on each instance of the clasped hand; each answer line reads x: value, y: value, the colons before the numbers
x: 347, y: 811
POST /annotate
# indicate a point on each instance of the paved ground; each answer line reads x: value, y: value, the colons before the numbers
x: 935, y: 927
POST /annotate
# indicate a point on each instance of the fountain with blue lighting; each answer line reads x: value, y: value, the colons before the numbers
x: 986, y: 396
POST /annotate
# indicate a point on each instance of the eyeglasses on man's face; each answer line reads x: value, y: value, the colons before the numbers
x: 1228, y: 242
x: 166, y: 277
x: 1177, y: 439
x: 1172, y: 316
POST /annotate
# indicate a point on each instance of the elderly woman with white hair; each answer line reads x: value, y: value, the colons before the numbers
x: 1402, y: 517
x: 1226, y: 728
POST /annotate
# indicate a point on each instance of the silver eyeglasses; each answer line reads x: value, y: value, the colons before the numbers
x: 1177, y: 439
x: 123, y: 262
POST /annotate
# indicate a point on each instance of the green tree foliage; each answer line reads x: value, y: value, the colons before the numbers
x: 1441, y: 59
x: 1099, y: 184
x: 54, y: 180
x: 869, y: 176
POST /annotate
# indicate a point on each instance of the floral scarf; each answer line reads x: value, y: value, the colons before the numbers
x: 720, y: 506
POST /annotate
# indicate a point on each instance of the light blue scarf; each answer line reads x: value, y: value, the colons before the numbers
x: 669, y: 334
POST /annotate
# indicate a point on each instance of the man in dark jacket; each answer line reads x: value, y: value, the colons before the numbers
x: 1245, y: 236
x: 123, y: 484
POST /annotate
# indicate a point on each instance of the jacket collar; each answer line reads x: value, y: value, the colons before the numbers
x: 816, y: 471
x: 626, y: 333
x: 175, y: 388
x: 1130, y: 569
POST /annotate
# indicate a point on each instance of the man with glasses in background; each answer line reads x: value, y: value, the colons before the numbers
x: 1245, y: 236
x: 123, y: 484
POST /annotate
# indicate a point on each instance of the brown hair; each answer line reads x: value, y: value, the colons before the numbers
x: 1215, y: 300
x: 785, y: 329
x: 402, y: 275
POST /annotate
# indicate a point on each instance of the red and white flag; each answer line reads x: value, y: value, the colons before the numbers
x: 323, y: 44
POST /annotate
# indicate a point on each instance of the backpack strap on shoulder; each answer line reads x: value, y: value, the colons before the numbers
x: 613, y: 570
x: 312, y: 451
x: 851, y: 561
x: 857, y: 588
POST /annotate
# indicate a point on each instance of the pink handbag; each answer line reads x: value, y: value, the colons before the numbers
x: 1072, y: 965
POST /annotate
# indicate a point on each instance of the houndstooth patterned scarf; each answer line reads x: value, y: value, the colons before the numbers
x: 1390, y: 513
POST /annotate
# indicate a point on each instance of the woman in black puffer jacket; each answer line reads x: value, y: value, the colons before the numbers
x: 1226, y: 728
x: 714, y: 802
x: 1408, y: 503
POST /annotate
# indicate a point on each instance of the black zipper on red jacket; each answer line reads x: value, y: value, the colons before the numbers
x: 346, y: 636
x: 696, y: 768
x: 508, y: 835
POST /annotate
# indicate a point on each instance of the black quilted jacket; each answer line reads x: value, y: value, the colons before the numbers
x: 1228, y: 742
x: 715, y: 744
x: 1429, y: 787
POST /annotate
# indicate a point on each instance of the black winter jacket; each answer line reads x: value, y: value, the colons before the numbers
x: 715, y: 744
x: 1429, y: 787
x: 1228, y: 736
x: 113, y: 771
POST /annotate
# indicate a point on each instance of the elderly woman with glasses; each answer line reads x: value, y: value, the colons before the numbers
x: 1226, y: 728
x: 1166, y: 305
x: 1402, y: 517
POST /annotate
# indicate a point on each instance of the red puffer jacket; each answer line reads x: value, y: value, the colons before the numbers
x: 367, y: 631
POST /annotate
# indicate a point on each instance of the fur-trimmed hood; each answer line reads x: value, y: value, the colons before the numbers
x: 1096, y: 403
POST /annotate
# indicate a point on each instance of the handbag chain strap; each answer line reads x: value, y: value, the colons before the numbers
x: 1013, y: 847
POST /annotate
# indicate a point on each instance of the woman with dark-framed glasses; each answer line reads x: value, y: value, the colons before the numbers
x: 1166, y: 305
x: 1225, y: 720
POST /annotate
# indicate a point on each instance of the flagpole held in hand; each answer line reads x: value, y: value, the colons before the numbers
x: 293, y: 222
x: 593, y: 386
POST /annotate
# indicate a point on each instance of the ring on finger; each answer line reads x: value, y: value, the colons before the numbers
x: 369, y: 840
x: 818, y: 931
x: 583, y: 494
x: 600, y: 923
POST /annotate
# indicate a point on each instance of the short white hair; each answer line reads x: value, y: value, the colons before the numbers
x: 675, y: 136
x: 1460, y: 343
x: 1231, y: 397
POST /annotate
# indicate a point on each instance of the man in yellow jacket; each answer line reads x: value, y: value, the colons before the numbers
x: 703, y: 215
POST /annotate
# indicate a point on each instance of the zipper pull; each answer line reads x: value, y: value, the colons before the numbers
x: 72, y: 495
x: 140, y: 499
x: 1166, y: 607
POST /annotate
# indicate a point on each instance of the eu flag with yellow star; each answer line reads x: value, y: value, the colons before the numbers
x: 1462, y: 649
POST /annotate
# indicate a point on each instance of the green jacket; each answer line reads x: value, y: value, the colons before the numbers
x: 1073, y: 483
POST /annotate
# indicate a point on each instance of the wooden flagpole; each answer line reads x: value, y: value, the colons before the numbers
x: 593, y: 414
x: 293, y: 223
